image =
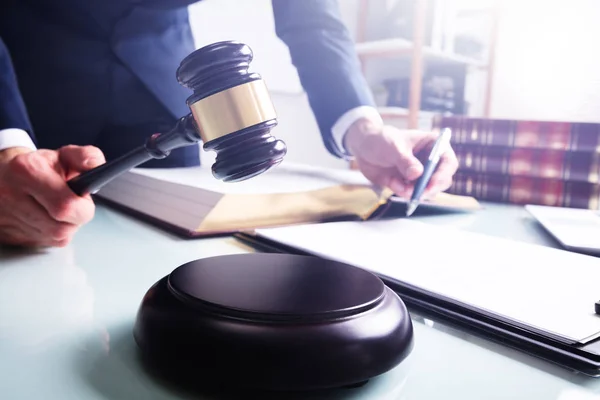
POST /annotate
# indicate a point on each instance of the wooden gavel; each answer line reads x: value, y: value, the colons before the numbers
x: 231, y: 113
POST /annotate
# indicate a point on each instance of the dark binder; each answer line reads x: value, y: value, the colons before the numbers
x: 583, y: 358
x: 194, y: 212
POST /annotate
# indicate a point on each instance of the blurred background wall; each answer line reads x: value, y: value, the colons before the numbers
x: 545, y: 60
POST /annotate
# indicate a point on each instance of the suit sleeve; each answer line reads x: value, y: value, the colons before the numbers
x: 322, y: 51
x: 13, y: 114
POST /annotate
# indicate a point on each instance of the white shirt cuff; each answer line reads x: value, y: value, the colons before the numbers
x: 343, y: 123
x: 14, y: 137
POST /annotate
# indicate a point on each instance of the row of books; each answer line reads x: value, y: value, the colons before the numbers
x: 526, y: 162
x: 526, y: 190
x: 536, y: 163
x: 546, y: 135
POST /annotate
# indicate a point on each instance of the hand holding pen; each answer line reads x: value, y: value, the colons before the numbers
x: 390, y: 157
x: 440, y: 146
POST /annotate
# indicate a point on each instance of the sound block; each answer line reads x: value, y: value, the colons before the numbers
x: 273, y: 322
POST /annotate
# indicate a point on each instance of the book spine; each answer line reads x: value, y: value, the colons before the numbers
x: 526, y: 190
x: 550, y: 135
x: 536, y: 163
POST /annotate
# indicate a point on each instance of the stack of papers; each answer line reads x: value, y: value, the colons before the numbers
x: 544, y: 289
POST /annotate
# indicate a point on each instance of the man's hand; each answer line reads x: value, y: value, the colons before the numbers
x: 389, y: 157
x: 37, y: 208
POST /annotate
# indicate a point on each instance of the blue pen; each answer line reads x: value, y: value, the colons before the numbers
x: 434, y: 158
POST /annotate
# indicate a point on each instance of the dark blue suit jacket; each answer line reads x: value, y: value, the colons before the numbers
x: 102, y: 72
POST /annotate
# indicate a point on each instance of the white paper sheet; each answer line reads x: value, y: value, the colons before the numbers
x: 575, y: 229
x: 549, y: 289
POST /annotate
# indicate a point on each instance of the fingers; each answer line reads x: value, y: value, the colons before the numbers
x: 37, y: 224
x: 38, y: 174
x: 400, y: 188
x: 410, y: 169
x: 383, y: 177
x: 441, y: 180
x: 37, y: 208
x: 392, y: 160
x: 409, y: 166
x: 15, y: 236
x: 77, y: 159
x: 18, y: 235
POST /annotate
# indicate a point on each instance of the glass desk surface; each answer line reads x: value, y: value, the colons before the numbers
x: 66, y: 318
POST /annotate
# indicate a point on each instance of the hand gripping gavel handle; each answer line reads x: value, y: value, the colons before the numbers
x: 157, y: 146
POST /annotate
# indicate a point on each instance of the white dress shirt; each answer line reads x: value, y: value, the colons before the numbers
x: 14, y: 137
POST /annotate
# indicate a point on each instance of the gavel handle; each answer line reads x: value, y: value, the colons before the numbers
x: 157, y: 146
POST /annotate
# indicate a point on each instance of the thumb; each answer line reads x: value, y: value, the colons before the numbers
x: 77, y: 159
x: 408, y: 165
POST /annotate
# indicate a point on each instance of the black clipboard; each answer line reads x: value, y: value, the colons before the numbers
x: 583, y: 359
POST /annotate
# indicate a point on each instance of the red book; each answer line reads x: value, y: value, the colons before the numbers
x: 526, y: 190
x: 530, y: 162
x: 556, y: 135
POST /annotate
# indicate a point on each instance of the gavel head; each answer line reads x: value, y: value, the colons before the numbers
x: 232, y: 110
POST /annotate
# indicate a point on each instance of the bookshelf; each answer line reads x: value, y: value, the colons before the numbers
x: 400, y: 46
x: 419, y: 54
